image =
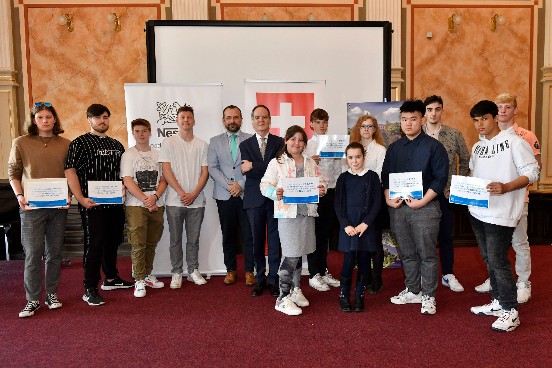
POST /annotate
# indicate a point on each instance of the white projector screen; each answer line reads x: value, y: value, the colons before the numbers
x: 353, y: 58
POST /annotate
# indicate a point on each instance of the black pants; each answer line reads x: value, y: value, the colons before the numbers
x: 323, y: 227
x: 350, y: 259
x: 103, y: 233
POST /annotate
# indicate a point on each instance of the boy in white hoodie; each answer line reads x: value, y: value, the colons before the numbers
x: 508, y: 161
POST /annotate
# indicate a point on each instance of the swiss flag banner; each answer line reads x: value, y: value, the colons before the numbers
x: 290, y: 103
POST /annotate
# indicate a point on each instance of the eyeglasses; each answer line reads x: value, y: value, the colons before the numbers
x: 39, y: 104
x: 367, y: 127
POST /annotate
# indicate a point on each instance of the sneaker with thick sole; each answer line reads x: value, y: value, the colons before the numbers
x: 298, y: 298
x: 287, y: 306
x: 407, y: 297
x: 428, y: 305
x: 92, y: 297
x: 452, y: 282
x: 317, y: 283
x: 196, y: 278
x: 52, y: 301
x: 176, y: 281
x: 330, y: 280
x: 508, y: 321
x: 485, y: 287
x: 140, y: 289
x: 30, y: 308
x: 116, y: 283
x: 523, y: 292
x: 491, y: 309
x: 153, y: 283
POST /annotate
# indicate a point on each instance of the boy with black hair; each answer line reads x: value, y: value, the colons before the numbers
x: 507, y: 160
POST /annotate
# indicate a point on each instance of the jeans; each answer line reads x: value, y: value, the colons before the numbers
x: 416, y: 233
x: 191, y: 218
x: 290, y: 275
x: 520, y: 243
x: 42, y: 234
x: 144, y: 230
x: 446, y: 246
x: 494, y: 243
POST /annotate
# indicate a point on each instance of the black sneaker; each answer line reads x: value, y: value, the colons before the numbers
x: 30, y: 308
x: 92, y: 297
x: 52, y: 301
x: 117, y: 283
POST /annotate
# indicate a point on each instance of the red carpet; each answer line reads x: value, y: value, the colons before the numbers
x: 217, y: 325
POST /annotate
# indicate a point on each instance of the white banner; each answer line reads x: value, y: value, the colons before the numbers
x: 158, y: 103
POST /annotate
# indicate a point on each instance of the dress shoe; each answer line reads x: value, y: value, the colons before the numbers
x: 376, y: 286
x: 345, y: 304
x: 258, y: 289
x: 275, y: 290
x: 249, y: 279
x: 230, y: 277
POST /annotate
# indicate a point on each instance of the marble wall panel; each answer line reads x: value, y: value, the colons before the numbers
x: 89, y: 65
x: 472, y: 63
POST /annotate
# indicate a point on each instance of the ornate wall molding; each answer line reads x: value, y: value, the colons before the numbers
x: 190, y: 9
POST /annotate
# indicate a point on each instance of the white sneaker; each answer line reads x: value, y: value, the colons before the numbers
x: 452, y: 282
x: 407, y: 297
x: 176, y: 281
x: 318, y: 283
x: 196, y: 278
x: 491, y: 309
x: 298, y: 298
x: 152, y: 282
x: 428, y: 305
x: 508, y: 321
x: 523, y: 292
x: 484, y: 287
x: 140, y: 289
x: 330, y: 280
x: 287, y: 306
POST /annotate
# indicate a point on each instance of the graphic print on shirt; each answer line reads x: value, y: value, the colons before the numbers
x: 146, y: 174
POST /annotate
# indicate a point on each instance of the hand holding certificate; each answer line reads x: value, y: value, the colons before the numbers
x: 300, y: 190
x: 405, y: 185
x: 46, y: 193
x: 106, y: 192
x: 469, y: 191
x: 332, y: 146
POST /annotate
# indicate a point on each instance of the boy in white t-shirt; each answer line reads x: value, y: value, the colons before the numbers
x: 508, y: 161
x: 184, y: 159
x: 143, y: 179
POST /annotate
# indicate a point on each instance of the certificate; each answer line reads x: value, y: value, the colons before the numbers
x: 106, y: 192
x: 300, y: 190
x: 332, y: 146
x: 402, y: 185
x: 469, y: 191
x: 46, y: 193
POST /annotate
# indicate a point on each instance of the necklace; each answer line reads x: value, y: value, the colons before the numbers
x: 48, y: 141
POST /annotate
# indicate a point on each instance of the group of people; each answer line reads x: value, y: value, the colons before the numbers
x: 248, y: 170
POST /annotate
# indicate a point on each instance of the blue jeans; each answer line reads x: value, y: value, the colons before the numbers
x: 494, y: 243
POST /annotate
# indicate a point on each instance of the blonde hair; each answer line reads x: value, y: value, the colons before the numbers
x: 506, y: 98
x: 355, y: 131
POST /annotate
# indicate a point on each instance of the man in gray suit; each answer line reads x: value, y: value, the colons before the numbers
x: 224, y: 161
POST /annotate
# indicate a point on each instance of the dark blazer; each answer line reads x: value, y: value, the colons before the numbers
x: 251, y: 151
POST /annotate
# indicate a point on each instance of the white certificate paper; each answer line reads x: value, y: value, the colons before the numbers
x: 469, y: 191
x: 300, y: 190
x: 106, y: 192
x: 46, y: 193
x: 332, y: 146
x: 402, y: 185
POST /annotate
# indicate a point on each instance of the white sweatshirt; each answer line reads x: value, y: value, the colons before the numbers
x: 502, y: 159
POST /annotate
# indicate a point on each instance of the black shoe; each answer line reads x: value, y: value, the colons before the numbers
x: 258, y: 289
x: 116, y: 283
x: 345, y: 304
x: 92, y: 297
x: 376, y: 286
x: 275, y: 290
x: 359, y: 303
x: 30, y: 308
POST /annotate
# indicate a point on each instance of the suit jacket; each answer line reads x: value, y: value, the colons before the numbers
x: 251, y: 151
x: 221, y: 166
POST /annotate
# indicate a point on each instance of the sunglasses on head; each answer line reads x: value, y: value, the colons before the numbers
x: 39, y: 104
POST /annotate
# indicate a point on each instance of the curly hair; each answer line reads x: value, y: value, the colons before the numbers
x: 355, y: 131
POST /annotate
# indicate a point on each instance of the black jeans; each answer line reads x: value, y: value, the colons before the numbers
x: 323, y: 226
x: 494, y: 242
x: 446, y: 246
x: 103, y: 233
